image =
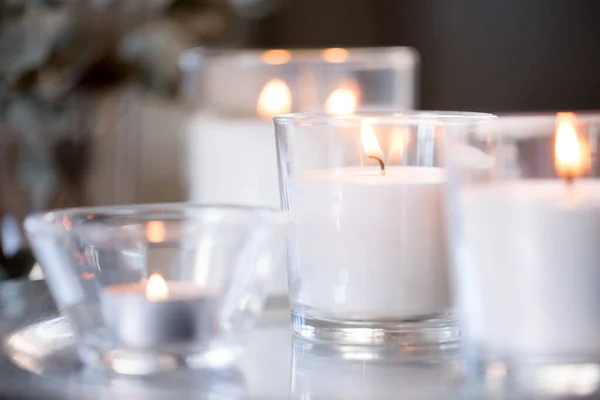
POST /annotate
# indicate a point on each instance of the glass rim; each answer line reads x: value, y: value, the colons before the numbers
x: 192, y: 58
x: 49, y: 222
x: 411, y: 117
x: 534, y: 124
x: 589, y: 116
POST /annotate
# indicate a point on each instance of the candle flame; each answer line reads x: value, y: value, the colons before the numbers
x: 335, y: 55
x: 571, y: 152
x: 157, y: 288
x: 156, y: 232
x: 276, y: 56
x: 341, y: 101
x: 369, y: 142
x: 274, y: 99
x: 398, y: 142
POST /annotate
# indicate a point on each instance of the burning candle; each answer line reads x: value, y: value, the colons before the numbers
x: 237, y: 163
x: 342, y: 101
x: 370, y: 240
x: 160, y: 313
x: 572, y: 153
x: 532, y: 248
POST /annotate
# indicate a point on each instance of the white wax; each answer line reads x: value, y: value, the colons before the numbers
x: 532, y: 253
x: 234, y: 161
x: 371, y: 246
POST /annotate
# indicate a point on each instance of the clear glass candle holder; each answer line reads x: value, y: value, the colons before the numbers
x: 81, y: 150
x: 232, y: 95
x: 526, y: 190
x: 262, y: 83
x: 331, y: 371
x: 367, y: 261
x: 159, y: 287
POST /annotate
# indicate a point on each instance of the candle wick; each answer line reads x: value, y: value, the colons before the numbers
x: 381, y: 164
x: 569, y: 180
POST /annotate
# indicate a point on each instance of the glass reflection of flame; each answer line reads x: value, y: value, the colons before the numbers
x: 274, y: 99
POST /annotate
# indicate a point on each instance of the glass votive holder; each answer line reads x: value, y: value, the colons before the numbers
x: 159, y: 287
x: 232, y: 95
x: 79, y: 150
x: 367, y: 260
x: 332, y: 371
x: 526, y: 191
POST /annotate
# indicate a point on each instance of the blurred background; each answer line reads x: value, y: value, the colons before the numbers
x: 93, y: 98
x: 498, y: 56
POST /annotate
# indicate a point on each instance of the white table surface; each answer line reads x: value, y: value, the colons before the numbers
x: 276, y: 365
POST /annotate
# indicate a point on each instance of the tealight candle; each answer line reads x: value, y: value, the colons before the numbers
x: 159, y: 312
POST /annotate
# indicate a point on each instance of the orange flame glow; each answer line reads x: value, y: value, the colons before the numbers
x: 335, y: 55
x: 572, y: 158
x: 341, y: 101
x: 276, y: 56
x: 369, y: 142
x: 157, y: 289
x: 156, y: 232
x: 398, y: 143
x: 274, y: 99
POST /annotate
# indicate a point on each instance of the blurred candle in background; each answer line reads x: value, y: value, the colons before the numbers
x: 343, y: 100
x: 233, y: 160
x: 232, y: 96
x: 530, y: 257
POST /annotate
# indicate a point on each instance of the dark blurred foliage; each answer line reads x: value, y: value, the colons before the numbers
x: 61, y: 61
x: 63, y: 67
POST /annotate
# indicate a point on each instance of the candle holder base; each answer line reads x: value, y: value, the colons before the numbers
x: 537, y: 378
x: 420, y: 336
x: 150, y: 362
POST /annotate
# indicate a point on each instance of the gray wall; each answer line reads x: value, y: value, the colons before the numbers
x: 502, y: 55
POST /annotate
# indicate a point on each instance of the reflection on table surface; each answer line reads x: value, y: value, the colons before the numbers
x: 275, y: 366
x: 345, y: 372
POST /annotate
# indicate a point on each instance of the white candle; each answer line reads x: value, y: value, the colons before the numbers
x: 160, y: 313
x: 371, y: 245
x: 531, y: 257
x: 232, y: 161
x: 533, y: 249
